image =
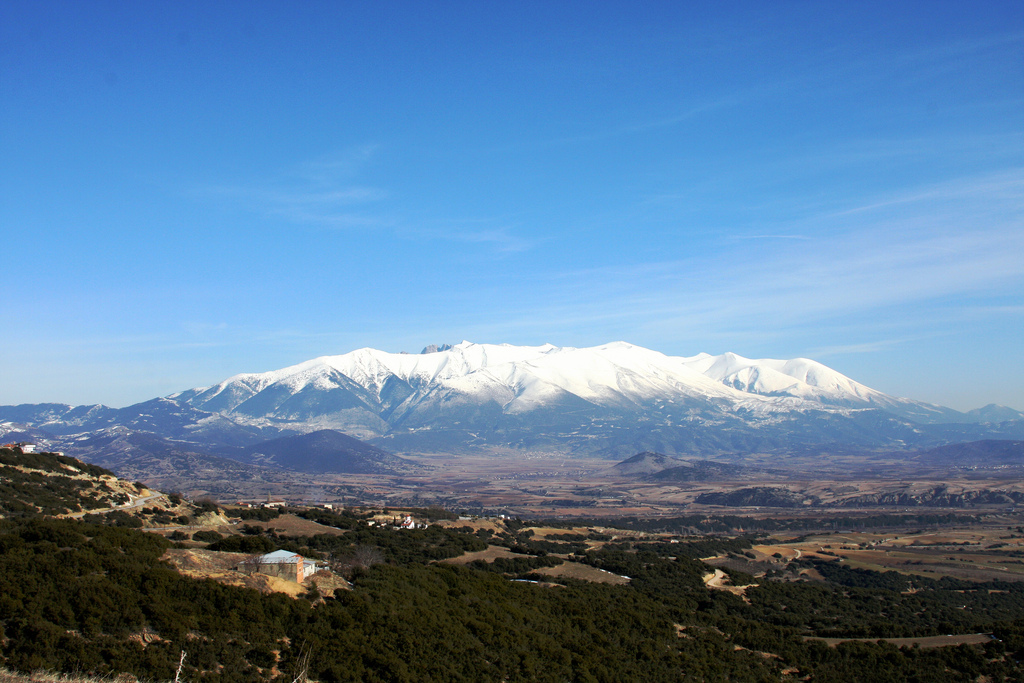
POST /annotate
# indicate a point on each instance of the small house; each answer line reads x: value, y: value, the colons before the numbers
x: 287, y: 565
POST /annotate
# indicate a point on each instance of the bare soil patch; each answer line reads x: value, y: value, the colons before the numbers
x: 492, y: 553
x: 553, y: 533
x: 769, y: 550
x: 719, y: 581
x: 206, y: 564
x: 583, y: 572
x: 199, y: 560
x: 295, y: 526
x: 474, y: 524
x: 572, y: 570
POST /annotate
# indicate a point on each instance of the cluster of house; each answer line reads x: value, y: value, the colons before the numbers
x: 266, y: 504
x: 410, y: 523
x: 23, y: 446
x: 278, y: 503
x: 407, y: 523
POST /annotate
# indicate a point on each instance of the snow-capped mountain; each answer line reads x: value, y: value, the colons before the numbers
x: 585, y: 398
x: 521, y: 379
x: 616, y: 399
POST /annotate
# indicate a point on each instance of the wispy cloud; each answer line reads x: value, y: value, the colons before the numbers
x: 321, y: 193
x: 336, y: 197
x: 875, y: 346
x: 332, y: 170
x: 769, y: 237
x: 501, y: 239
x: 684, y: 112
x: 918, y: 63
x: 198, y: 328
x: 327, y: 193
x: 1003, y: 186
x: 947, y: 245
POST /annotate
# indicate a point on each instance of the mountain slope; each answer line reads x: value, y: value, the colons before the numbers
x: 987, y: 453
x: 157, y: 460
x: 662, y: 468
x: 321, y: 452
x: 994, y: 413
x: 167, y: 417
x: 644, y: 464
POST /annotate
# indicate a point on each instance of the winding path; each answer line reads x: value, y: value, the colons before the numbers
x: 138, y: 502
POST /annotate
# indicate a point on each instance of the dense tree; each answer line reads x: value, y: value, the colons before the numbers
x: 82, y: 597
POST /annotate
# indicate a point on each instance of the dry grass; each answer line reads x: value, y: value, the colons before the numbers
x: 572, y: 570
x: 492, y: 553
x: 474, y: 524
x: 962, y: 553
x: 584, y: 572
x: 553, y: 533
x: 7, y: 676
x: 925, y: 642
x: 295, y: 526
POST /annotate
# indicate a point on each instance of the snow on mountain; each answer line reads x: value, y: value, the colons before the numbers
x: 362, y: 388
x: 812, y: 381
x: 519, y: 378
x: 614, y: 399
x: 800, y: 377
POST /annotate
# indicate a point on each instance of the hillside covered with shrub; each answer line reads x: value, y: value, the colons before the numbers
x: 53, y: 484
x: 95, y: 598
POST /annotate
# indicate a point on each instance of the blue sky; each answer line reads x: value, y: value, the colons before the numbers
x: 192, y: 190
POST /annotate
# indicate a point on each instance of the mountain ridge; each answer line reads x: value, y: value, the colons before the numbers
x: 522, y: 377
x: 324, y: 451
